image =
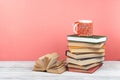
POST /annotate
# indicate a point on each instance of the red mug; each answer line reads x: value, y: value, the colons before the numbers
x: 83, y: 28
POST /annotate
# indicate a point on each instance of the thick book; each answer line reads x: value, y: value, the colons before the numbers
x: 84, y: 56
x: 87, y: 50
x: 91, y: 70
x: 50, y: 63
x: 88, y: 39
x: 82, y: 62
x: 85, y: 67
x: 78, y: 45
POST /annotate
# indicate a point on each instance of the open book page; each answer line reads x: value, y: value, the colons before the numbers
x: 39, y: 66
x: 58, y: 63
x: 52, y: 59
x: 59, y: 69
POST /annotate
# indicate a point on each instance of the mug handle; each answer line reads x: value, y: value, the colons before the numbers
x: 74, y: 28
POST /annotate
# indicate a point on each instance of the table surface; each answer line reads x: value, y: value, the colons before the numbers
x: 22, y: 70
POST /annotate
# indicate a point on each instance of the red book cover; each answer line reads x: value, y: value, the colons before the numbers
x: 92, y: 70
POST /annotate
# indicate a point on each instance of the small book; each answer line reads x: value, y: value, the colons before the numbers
x: 84, y: 56
x: 88, y: 39
x: 87, y: 50
x: 49, y: 63
x: 82, y: 62
x: 91, y: 70
x: 85, y: 67
x: 77, y: 45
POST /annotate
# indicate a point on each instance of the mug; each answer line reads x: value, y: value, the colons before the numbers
x: 83, y: 28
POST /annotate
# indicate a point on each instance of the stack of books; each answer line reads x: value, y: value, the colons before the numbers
x: 85, y: 53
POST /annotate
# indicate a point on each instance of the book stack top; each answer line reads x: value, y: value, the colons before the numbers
x: 88, y: 39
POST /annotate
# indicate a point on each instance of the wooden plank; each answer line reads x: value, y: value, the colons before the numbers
x: 22, y: 70
x: 16, y: 63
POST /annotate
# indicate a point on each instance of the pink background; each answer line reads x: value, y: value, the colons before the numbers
x: 32, y: 28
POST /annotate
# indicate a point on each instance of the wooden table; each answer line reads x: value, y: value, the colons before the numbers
x: 22, y: 70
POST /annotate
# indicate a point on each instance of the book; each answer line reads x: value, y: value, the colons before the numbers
x: 57, y: 69
x: 85, y: 55
x: 85, y: 67
x: 87, y: 50
x: 91, y: 70
x: 88, y: 39
x: 84, y: 61
x: 49, y: 63
x: 77, y: 45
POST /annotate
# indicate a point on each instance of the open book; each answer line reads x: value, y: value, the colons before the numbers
x: 49, y: 63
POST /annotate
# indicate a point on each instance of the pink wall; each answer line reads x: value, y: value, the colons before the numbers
x: 32, y: 28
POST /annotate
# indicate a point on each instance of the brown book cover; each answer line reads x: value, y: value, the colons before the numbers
x: 84, y: 56
x: 87, y: 50
x: 82, y: 62
x: 91, y: 70
x: 77, y: 45
x: 85, y: 67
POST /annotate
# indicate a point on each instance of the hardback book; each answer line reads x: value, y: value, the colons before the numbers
x: 91, y: 70
x: 82, y: 62
x: 84, y: 56
x: 88, y: 39
x: 49, y: 63
x: 87, y: 50
x: 77, y: 45
x: 85, y: 67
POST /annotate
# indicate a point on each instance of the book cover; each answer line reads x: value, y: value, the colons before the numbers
x: 76, y: 45
x: 85, y: 67
x: 84, y: 61
x: 91, y: 70
x: 84, y: 55
x: 87, y: 50
x: 88, y: 39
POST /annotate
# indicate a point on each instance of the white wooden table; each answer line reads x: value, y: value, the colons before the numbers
x: 22, y: 70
